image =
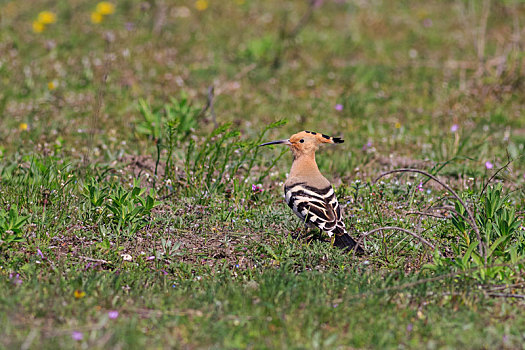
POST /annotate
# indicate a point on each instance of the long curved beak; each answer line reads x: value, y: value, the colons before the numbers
x: 285, y: 142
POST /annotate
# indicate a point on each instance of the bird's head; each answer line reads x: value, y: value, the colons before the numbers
x: 305, y: 142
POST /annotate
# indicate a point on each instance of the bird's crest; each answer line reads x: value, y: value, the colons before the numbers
x: 325, y: 138
x: 306, y: 141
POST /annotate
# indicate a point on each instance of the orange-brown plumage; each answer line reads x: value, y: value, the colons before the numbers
x: 309, y: 193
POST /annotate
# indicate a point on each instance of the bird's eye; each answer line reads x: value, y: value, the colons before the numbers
x: 301, y: 140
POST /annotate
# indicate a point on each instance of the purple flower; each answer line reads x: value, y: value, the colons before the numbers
x: 257, y: 188
x: 150, y: 257
x: 454, y: 128
x: 409, y: 327
x: 113, y: 314
x: 427, y: 23
x: 318, y: 3
x: 76, y: 335
x: 338, y: 107
x: 39, y: 252
x: 129, y: 26
x: 15, y: 279
x: 489, y: 165
x: 420, y: 186
x: 367, y: 146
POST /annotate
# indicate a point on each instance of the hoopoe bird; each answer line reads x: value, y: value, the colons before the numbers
x: 309, y: 193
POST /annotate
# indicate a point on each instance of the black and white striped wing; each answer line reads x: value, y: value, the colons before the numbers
x: 316, y: 207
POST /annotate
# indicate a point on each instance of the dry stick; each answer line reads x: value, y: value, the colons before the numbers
x: 481, y: 246
x: 424, y: 241
x: 506, y: 295
x: 450, y: 209
x: 209, y: 105
x: 426, y: 214
x: 87, y: 258
x: 284, y: 36
x: 425, y: 230
x: 211, y: 95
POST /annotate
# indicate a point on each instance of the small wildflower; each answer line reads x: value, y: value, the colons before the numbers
x: 15, y: 279
x: 367, y: 146
x: 339, y: 107
x: 126, y: 257
x: 150, y: 258
x: 420, y: 186
x: 96, y: 17
x: 397, y: 125
x: 112, y: 314
x: 454, y: 128
x: 38, y: 27
x: 52, y: 85
x: 257, y: 188
x: 105, y: 8
x: 489, y: 165
x: 79, y: 294
x: 46, y: 17
x: 76, y: 335
x: 427, y: 23
x: 201, y: 5
x: 39, y: 252
x: 23, y: 127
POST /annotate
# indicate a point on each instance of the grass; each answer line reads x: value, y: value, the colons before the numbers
x: 126, y: 186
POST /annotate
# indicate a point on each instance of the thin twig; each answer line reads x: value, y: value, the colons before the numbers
x: 426, y: 214
x: 481, y: 246
x: 506, y: 295
x: 285, y: 36
x: 424, y: 241
x: 94, y: 260
x: 303, y: 21
x: 209, y: 106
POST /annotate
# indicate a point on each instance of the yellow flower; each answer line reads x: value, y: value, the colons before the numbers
x: 96, y: 17
x: 105, y: 8
x: 201, y: 5
x: 52, y: 85
x: 397, y: 125
x: 23, y: 127
x: 38, y: 27
x: 46, y: 17
x: 79, y: 294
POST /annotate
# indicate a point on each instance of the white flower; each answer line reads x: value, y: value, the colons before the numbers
x: 126, y: 257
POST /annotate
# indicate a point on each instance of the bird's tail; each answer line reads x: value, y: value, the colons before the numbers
x: 347, y: 243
